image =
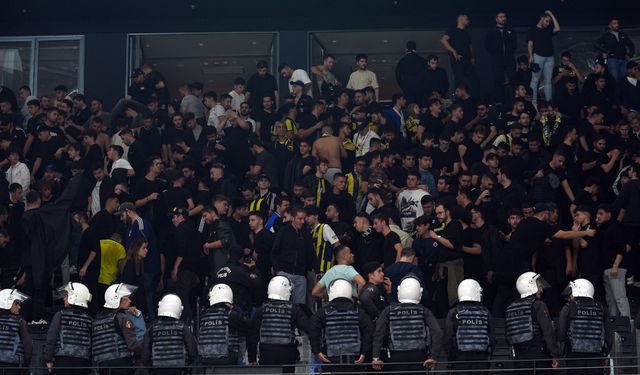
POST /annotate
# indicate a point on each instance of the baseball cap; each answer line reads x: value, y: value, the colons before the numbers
x: 297, y: 83
x: 126, y: 206
x: 540, y: 207
x: 264, y: 175
x: 136, y: 72
x: 180, y: 211
x: 631, y: 65
x: 370, y: 267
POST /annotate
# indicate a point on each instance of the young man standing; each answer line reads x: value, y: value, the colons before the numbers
x: 540, y: 47
x: 363, y: 77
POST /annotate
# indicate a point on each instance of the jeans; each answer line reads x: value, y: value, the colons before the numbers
x: 464, y: 73
x: 617, y: 68
x: 546, y: 69
x: 299, y: 292
x: 616, y: 293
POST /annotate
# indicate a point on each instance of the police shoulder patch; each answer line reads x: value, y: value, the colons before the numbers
x: 128, y: 324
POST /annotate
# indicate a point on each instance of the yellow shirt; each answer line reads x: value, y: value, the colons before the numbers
x: 110, y: 253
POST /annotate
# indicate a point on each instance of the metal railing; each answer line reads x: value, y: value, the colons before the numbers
x: 612, y: 365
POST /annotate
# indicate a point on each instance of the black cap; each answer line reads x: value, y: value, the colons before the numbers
x: 540, y: 207
x: 136, y: 73
x: 297, y: 83
x: 370, y: 267
x: 180, y: 211
x: 601, y: 61
x: 631, y: 65
x: 264, y: 175
x: 255, y: 140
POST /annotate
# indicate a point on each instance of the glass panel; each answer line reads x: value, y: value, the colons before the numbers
x: 15, y: 64
x: 58, y: 64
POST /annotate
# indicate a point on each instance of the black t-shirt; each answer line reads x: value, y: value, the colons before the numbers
x: 529, y: 238
x: 474, y: 153
x: 432, y: 124
x: 390, y: 240
x: 155, y: 209
x: 460, y: 41
x: 542, y: 40
x: 140, y: 92
x: 445, y: 159
x: 267, y: 120
x: 151, y: 80
x: 177, y: 197
x: 260, y: 86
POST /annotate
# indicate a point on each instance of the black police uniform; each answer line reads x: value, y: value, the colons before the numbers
x: 347, y: 332
x: 114, y: 342
x: 69, y: 341
x: 529, y: 330
x: 413, y: 335
x: 469, y: 336
x: 373, y: 300
x: 16, y: 346
x: 168, y: 346
x: 277, y: 321
x: 221, y: 330
x: 583, y: 329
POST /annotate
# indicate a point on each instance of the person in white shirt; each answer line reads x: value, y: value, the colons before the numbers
x: 120, y: 168
x: 210, y: 102
x: 296, y: 75
x: 363, y: 137
x: 409, y: 201
x: 362, y: 77
x: 18, y: 172
x: 237, y: 94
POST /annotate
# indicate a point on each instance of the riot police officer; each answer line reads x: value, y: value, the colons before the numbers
x: 16, y: 346
x: 469, y: 332
x: 413, y: 332
x: 347, y: 330
x: 114, y: 342
x: 529, y: 329
x: 277, y: 319
x: 583, y: 329
x: 373, y: 298
x: 69, y: 336
x: 169, y: 345
x: 221, y: 329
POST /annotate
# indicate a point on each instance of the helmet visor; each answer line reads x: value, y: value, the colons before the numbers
x: 541, y: 283
x: 126, y: 290
x: 18, y: 297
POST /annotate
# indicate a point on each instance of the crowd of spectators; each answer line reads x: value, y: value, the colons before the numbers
x: 181, y: 189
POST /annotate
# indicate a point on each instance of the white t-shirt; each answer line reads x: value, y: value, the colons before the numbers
x: 410, y: 207
x: 300, y: 75
x: 362, y: 142
x: 120, y: 163
x: 217, y: 111
x: 95, y: 198
x: 236, y: 100
x: 360, y: 79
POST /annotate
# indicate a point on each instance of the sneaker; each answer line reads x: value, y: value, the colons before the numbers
x: 630, y: 280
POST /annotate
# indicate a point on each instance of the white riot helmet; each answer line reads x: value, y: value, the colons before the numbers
x: 279, y: 288
x: 581, y: 288
x: 410, y: 290
x: 115, y: 293
x: 469, y: 290
x: 77, y: 294
x: 9, y: 296
x: 529, y: 283
x: 170, y: 306
x: 340, y: 288
x: 220, y: 293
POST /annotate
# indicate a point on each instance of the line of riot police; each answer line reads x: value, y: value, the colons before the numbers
x: 402, y: 336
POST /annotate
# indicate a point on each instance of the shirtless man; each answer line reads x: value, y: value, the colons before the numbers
x: 329, y: 147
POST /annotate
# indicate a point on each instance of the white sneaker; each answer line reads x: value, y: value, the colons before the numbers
x: 630, y: 280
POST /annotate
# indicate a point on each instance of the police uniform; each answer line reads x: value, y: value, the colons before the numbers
x: 469, y: 335
x: 168, y: 343
x: 114, y: 342
x: 412, y: 333
x: 220, y: 333
x: 585, y: 333
x: 16, y: 346
x: 373, y: 300
x: 276, y: 322
x: 69, y: 340
x: 529, y: 330
x: 347, y: 334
